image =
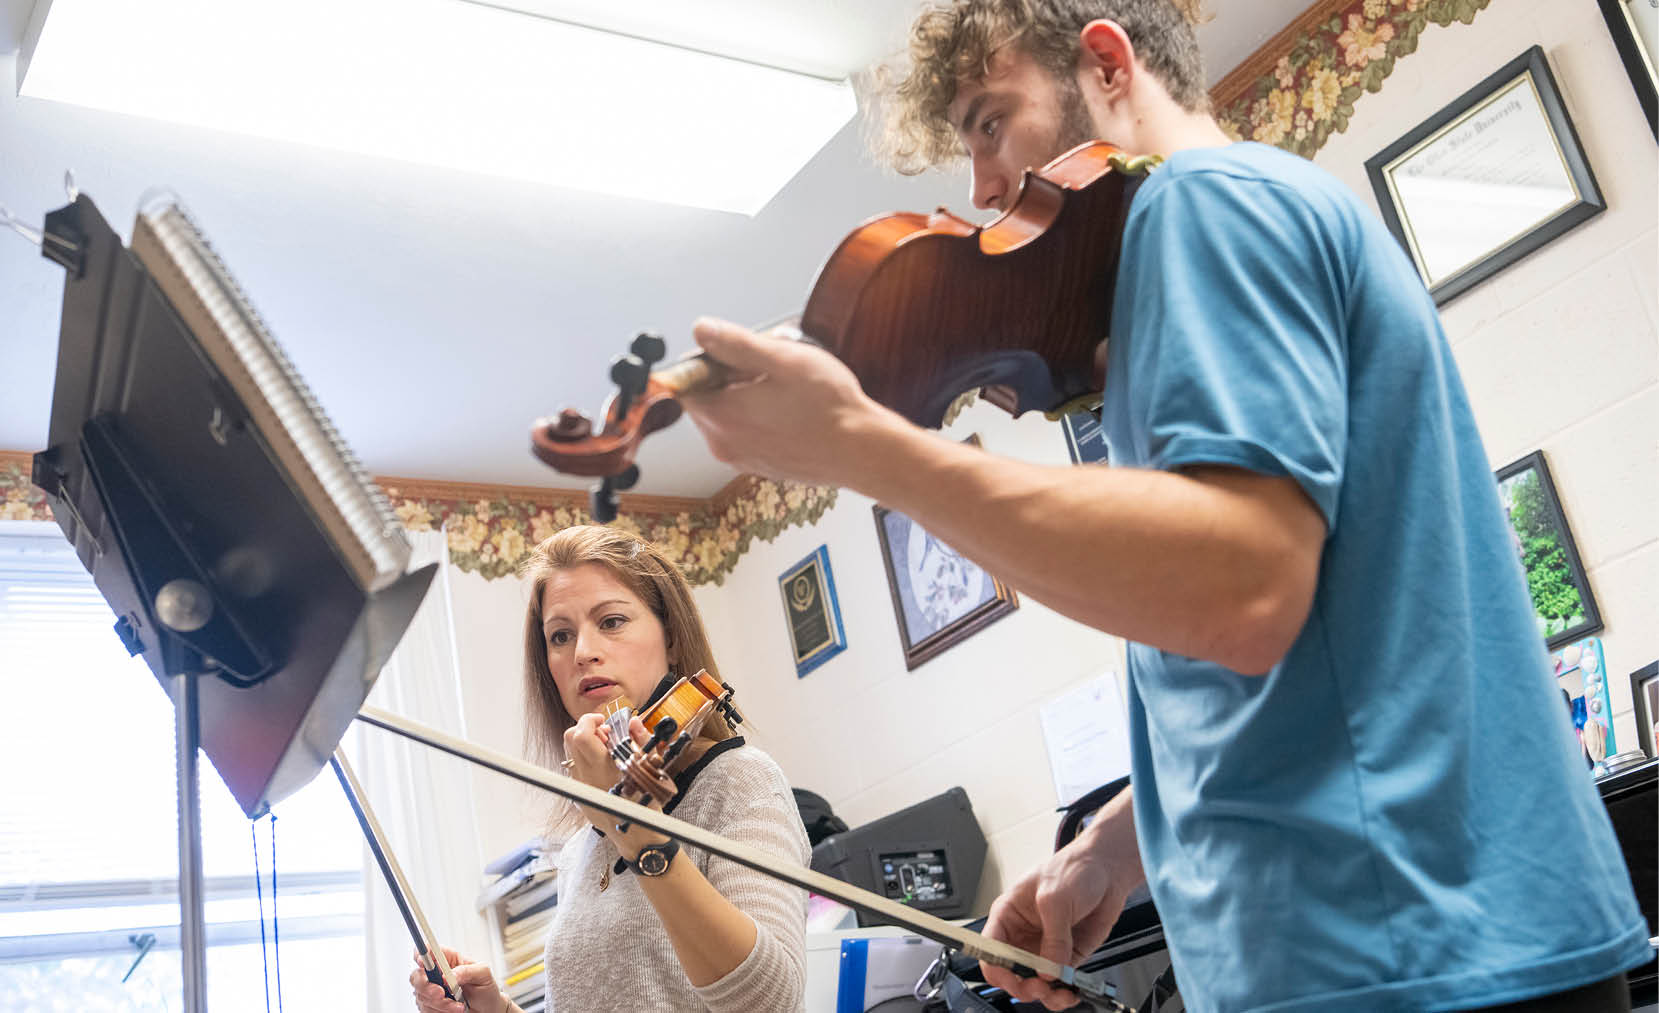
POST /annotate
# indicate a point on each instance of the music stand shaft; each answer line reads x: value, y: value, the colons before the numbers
x: 192, y: 920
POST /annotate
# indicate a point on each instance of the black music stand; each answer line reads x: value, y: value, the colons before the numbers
x: 254, y: 565
x: 262, y: 583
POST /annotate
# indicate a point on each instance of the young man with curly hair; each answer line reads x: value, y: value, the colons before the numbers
x: 1353, y: 787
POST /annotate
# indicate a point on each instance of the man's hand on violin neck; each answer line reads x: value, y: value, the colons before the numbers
x: 799, y: 415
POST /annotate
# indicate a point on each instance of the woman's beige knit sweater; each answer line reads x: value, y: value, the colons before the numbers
x: 607, y: 951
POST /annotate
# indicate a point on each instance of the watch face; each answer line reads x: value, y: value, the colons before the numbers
x: 653, y: 862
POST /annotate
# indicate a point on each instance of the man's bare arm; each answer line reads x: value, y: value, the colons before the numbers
x: 1213, y: 563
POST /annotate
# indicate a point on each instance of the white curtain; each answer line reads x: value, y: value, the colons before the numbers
x: 422, y: 798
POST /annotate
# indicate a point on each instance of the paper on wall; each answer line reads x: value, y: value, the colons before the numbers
x: 1086, y: 730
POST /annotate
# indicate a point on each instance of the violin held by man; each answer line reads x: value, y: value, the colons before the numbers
x: 1317, y: 809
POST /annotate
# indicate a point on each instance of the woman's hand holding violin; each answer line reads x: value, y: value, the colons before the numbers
x: 587, y: 748
x: 588, y: 758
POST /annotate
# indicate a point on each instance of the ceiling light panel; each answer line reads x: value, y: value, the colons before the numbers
x: 446, y: 83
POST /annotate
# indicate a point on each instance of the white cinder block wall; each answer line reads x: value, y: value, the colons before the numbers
x: 1559, y: 353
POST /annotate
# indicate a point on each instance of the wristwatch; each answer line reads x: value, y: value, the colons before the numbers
x: 654, y: 859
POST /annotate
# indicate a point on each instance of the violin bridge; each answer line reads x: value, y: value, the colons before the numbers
x: 617, y: 714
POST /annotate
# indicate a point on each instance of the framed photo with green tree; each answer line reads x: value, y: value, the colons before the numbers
x: 1561, y: 598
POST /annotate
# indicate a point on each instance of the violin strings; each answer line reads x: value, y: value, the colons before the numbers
x: 618, y: 714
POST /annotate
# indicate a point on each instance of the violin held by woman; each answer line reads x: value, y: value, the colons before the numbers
x: 642, y: 923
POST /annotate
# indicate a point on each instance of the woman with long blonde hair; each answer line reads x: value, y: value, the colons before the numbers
x: 641, y: 923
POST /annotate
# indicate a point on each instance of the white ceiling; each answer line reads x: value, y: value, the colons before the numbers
x: 435, y: 314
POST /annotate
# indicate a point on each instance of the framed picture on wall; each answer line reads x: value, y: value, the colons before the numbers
x: 813, y: 611
x: 940, y: 597
x: 1085, y: 440
x: 1634, y: 25
x: 1644, y: 693
x: 1561, y: 598
x: 1488, y: 179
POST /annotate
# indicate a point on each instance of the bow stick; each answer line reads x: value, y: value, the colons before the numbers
x: 1093, y: 988
x: 437, y: 967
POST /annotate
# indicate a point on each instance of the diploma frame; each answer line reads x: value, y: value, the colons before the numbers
x: 812, y: 612
x: 1531, y: 71
x: 1638, y: 61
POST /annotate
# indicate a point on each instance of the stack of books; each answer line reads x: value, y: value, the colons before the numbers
x: 522, y: 898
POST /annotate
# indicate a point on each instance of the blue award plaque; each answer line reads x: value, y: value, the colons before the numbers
x: 812, y: 611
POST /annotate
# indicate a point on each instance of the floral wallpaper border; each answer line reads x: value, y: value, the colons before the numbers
x: 491, y: 528
x: 20, y: 500
x: 1301, y: 86
x: 1294, y: 92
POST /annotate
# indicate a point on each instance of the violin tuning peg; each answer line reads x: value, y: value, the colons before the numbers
x: 629, y: 372
x: 602, y: 502
x: 677, y: 748
x: 664, y: 730
x: 571, y: 425
x: 630, y: 375
x: 649, y: 347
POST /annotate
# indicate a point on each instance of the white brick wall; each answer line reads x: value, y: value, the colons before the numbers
x: 1559, y: 352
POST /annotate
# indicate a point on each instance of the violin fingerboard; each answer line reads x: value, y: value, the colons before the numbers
x: 616, y: 722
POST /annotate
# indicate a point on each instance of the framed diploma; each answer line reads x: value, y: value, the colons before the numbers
x: 1634, y: 25
x: 812, y: 611
x: 1487, y: 180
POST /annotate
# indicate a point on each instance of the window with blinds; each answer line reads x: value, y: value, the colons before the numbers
x: 89, y: 830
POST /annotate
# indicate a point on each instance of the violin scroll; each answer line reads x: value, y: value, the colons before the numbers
x: 923, y: 308
x: 674, y: 721
x: 644, y: 402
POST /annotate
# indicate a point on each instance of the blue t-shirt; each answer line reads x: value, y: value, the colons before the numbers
x: 1395, y: 817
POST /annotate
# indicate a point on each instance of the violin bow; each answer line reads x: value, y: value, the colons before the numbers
x: 433, y: 961
x: 1091, y: 987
